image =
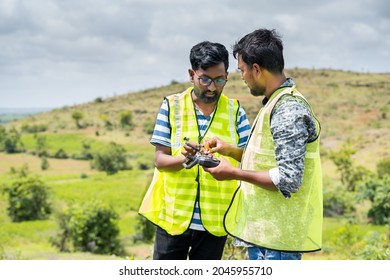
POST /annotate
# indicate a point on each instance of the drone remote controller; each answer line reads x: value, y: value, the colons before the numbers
x: 200, y: 158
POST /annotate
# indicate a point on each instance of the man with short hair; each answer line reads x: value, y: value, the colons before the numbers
x: 277, y: 210
x: 188, y: 205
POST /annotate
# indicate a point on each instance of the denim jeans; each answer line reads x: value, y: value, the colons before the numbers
x: 259, y: 253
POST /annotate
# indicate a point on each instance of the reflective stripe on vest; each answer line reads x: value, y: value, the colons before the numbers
x: 170, y: 199
x: 265, y: 218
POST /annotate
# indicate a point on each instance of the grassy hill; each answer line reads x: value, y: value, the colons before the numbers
x: 352, y: 107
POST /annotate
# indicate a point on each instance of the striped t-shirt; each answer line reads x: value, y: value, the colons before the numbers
x: 162, y: 136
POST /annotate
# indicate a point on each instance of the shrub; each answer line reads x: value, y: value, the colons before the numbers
x: 148, y: 127
x: 99, y: 100
x: 126, y: 119
x: 377, y: 190
x: 33, y: 128
x: 377, y: 247
x: 383, y: 167
x: 111, y: 159
x: 44, y: 163
x: 28, y: 198
x: 90, y: 228
x: 145, y: 230
x: 337, y: 202
x: 61, y: 154
x: 350, y: 175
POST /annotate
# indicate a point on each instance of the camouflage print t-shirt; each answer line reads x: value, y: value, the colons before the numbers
x: 292, y: 126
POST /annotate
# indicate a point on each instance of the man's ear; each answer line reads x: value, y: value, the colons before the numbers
x: 191, y: 74
x: 256, y: 69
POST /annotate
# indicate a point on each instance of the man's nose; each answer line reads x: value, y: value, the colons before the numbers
x: 212, y: 86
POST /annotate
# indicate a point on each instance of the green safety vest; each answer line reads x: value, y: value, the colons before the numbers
x: 170, y: 199
x: 266, y: 218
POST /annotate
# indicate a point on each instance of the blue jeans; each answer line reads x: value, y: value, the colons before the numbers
x: 259, y: 253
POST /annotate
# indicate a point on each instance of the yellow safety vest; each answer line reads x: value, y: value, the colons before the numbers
x: 265, y: 218
x: 170, y: 199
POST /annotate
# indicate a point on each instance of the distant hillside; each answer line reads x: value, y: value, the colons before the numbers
x: 13, y: 114
x: 351, y: 107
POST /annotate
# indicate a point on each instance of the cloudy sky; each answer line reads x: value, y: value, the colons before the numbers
x: 66, y: 52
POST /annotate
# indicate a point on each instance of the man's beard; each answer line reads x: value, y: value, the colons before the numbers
x: 257, y: 91
x: 207, y: 99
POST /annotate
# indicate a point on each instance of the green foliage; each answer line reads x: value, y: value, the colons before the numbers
x: 107, y: 121
x: 383, y: 167
x: 350, y: 175
x: 148, y: 127
x: 99, y: 100
x: 33, y: 128
x: 28, y: 197
x: 145, y: 230
x: 353, y: 242
x: 3, y: 135
x: 90, y: 228
x: 44, y: 163
x: 86, y: 150
x: 377, y: 247
x: 12, y: 141
x: 41, y: 146
x: 60, y: 154
x: 111, y: 159
x: 77, y: 116
x: 126, y: 119
x: 377, y: 190
x: 338, y: 202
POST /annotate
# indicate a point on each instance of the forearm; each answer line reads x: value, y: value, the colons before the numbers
x: 226, y: 171
x: 169, y: 163
x: 234, y: 152
x: 258, y: 178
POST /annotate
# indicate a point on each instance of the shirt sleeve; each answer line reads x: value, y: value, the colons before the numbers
x: 243, y: 128
x: 292, y: 126
x: 162, y: 129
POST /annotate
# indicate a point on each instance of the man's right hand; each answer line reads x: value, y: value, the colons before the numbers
x: 216, y: 145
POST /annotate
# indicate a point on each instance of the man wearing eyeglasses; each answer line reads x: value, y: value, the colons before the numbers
x: 188, y: 205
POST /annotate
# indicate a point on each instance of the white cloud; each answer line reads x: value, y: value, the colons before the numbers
x: 57, y: 53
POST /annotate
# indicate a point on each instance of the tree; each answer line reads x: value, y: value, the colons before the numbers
x: 3, y: 135
x: 12, y: 141
x: 77, y: 116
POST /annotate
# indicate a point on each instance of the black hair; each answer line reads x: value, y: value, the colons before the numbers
x: 262, y: 46
x: 206, y: 54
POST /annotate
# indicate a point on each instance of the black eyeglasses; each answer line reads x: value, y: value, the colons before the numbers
x: 206, y: 81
